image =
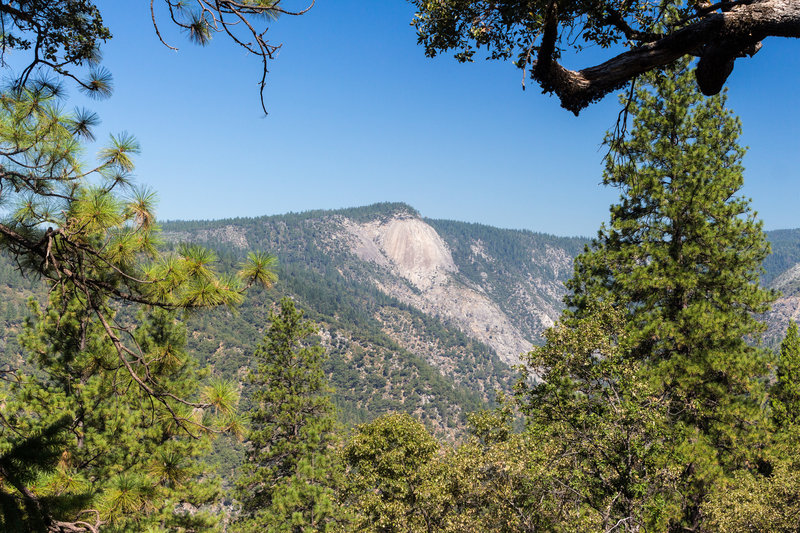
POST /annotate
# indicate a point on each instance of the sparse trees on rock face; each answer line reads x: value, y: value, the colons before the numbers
x: 290, y: 475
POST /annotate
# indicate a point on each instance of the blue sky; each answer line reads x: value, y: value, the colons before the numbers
x: 359, y: 115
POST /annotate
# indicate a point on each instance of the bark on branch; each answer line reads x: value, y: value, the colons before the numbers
x: 718, y: 38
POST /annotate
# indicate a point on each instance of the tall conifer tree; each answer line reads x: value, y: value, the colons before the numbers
x: 786, y: 392
x: 681, y: 258
x: 136, y: 464
x: 287, y: 483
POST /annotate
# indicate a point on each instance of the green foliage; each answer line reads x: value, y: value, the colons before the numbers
x: 59, y: 39
x: 766, y: 499
x: 92, y: 228
x: 513, y: 30
x: 131, y: 456
x: 785, y: 394
x: 605, y: 426
x: 260, y: 268
x: 130, y: 391
x: 498, y: 480
x: 288, y: 481
x: 754, y: 502
x: 64, y: 34
x: 399, y: 478
x: 389, y: 477
x: 642, y: 38
x: 683, y: 253
x: 650, y: 378
x: 25, y: 458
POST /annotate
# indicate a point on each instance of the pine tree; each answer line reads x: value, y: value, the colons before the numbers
x: 92, y: 229
x: 682, y: 249
x: 786, y: 392
x: 681, y: 258
x: 288, y: 481
x: 135, y: 462
x: 92, y: 236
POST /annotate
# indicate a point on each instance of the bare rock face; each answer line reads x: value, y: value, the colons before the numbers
x: 783, y: 311
x: 424, y: 275
x: 407, y: 246
x: 787, y: 307
x: 789, y: 281
x: 419, y: 254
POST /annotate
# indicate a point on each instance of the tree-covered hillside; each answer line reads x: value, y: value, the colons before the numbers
x: 785, y: 253
x: 383, y: 355
x: 386, y: 355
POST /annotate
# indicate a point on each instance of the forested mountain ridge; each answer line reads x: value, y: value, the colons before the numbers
x: 502, y: 287
x: 464, y: 299
x: 425, y: 316
x: 419, y: 315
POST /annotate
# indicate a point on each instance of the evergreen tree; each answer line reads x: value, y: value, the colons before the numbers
x: 92, y: 236
x: 288, y: 481
x: 681, y: 259
x: 786, y: 392
x: 136, y: 463
x: 92, y: 229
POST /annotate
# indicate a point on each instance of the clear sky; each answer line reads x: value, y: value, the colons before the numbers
x: 358, y: 114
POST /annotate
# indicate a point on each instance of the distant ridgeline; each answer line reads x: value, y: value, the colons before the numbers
x: 418, y: 315
x: 785, y: 253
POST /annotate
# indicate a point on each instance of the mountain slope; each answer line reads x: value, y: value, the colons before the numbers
x: 419, y: 315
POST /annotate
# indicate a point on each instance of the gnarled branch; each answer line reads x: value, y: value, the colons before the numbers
x: 718, y: 38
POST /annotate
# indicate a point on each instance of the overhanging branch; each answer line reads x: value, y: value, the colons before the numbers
x: 718, y: 38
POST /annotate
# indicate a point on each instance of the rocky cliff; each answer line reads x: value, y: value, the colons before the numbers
x: 418, y: 269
